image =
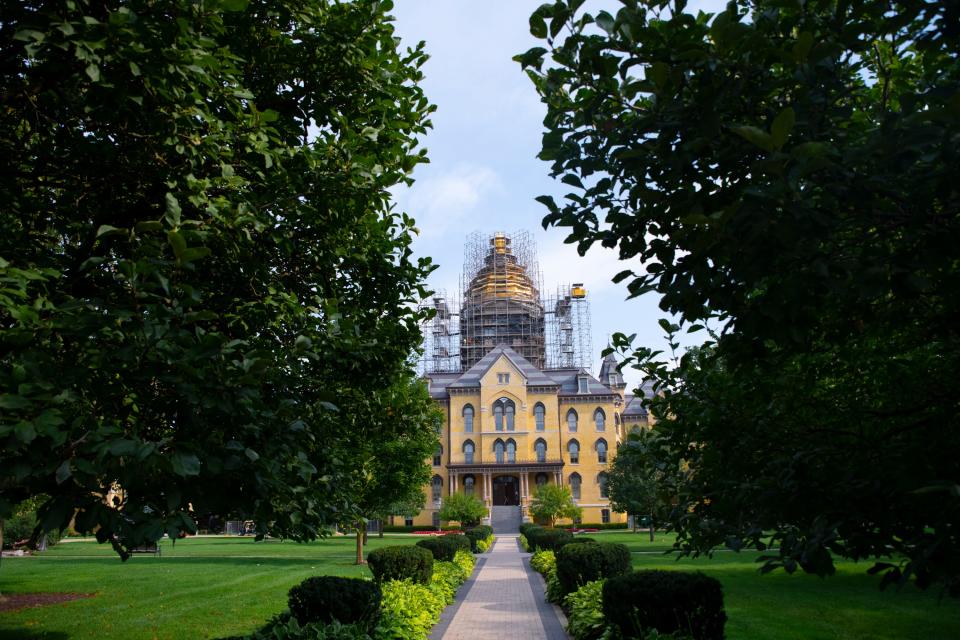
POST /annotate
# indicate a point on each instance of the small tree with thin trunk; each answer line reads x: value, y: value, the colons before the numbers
x: 465, y: 508
x: 552, y: 501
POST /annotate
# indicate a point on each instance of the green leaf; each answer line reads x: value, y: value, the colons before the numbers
x: 538, y: 26
x: 756, y: 136
x: 93, y: 71
x: 107, y: 230
x: 134, y: 68
x: 782, y: 126
x: 178, y: 243
x: 63, y: 472
x: 148, y: 226
x: 13, y: 402
x: 659, y: 72
x: 172, y: 210
x: 252, y: 455
x: 185, y: 464
x: 606, y: 22
x: 235, y: 5
x: 194, y: 253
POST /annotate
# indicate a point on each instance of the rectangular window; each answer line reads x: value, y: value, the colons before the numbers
x: 503, y: 378
x: 468, y: 457
x: 408, y: 522
x: 583, y: 385
x: 605, y: 516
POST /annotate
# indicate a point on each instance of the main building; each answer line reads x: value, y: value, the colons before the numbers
x: 510, y: 371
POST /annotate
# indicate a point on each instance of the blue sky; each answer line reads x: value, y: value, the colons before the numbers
x: 484, y: 174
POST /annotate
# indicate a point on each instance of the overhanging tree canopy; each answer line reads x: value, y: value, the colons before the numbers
x: 788, y: 170
x: 198, y: 250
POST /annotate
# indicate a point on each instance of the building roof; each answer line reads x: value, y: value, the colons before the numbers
x: 569, y: 386
x: 471, y: 377
x: 632, y: 404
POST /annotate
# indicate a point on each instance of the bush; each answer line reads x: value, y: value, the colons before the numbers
x: 665, y: 601
x: 479, y: 535
x: 543, y: 562
x: 582, y: 541
x: 584, y: 608
x: 18, y: 528
x: 552, y: 539
x: 465, y: 561
x: 447, y: 577
x: 524, y: 543
x: 440, y: 548
x: 554, y: 592
x: 329, y: 598
x: 400, y: 563
x: 483, y: 545
x: 526, y: 526
x: 286, y: 627
x: 408, y: 610
x: 578, y: 564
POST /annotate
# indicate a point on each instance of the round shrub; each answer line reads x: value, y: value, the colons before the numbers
x: 578, y: 564
x: 668, y: 601
x: 548, y: 539
x: 400, y: 563
x: 443, y: 548
x: 527, y: 526
x: 328, y: 598
x: 582, y: 541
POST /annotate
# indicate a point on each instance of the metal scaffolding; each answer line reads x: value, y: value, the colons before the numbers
x: 502, y: 304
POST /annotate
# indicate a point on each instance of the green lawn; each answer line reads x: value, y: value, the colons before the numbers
x: 847, y: 605
x: 199, y: 588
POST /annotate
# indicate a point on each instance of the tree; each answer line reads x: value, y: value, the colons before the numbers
x: 552, y: 501
x: 784, y: 172
x: 645, y: 478
x: 199, y: 255
x: 465, y: 508
x: 391, y: 436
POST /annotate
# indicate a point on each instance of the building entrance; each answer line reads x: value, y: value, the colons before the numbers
x: 506, y: 491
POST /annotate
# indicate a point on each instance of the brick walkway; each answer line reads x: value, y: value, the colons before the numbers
x: 504, y: 601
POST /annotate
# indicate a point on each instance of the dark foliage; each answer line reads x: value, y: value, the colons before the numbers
x: 444, y: 548
x: 400, y: 563
x: 690, y: 604
x: 328, y: 598
x: 578, y: 564
x: 548, y: 539
x: 477, y: 534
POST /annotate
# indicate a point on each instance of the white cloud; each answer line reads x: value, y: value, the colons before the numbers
x: 440, y: 202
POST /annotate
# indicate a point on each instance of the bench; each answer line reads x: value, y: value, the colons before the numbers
x: 147, y: 548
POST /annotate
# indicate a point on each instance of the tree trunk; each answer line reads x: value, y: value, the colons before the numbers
x: 380, y: 528
x: 634, y: 523
x: 361, y: 534
x: 651, y: 528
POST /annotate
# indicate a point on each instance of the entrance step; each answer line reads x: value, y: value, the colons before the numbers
x: 505, y: 519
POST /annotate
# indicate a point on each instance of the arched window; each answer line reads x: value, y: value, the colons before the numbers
x: 436, y: 486
x: 541, y: 479
x: 572, y: 420
x: 468, y: 450
x: 575, y: 485
x: 511, y: 450
x: 504, y: 408
x: 602, y: 481
x: 468, y: 419
x: 540, y: 446
x: 498, y: 449
x: 573, y: 448
x: 600, y: 420
x: 438, y: 456
x: 601, y: 450
x: 539, y: 415
x: 468, y: 485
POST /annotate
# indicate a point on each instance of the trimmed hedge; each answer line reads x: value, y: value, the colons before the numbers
x: 540, y: 538
x: 582, y: 541
x: 526, y: 526
x: 602, y: 526
x: 578, y: 564
x: 402, y: 528
x: 399, y: 563
x: 328, y: 598
x: 477, y: 535
x: 443, y: 548
x: 668, y: 601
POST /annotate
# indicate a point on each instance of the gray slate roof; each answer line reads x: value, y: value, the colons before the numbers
x: 632, y: 403
x: 471, y: 377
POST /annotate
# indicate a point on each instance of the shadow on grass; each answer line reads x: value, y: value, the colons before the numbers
x: 27, y: 634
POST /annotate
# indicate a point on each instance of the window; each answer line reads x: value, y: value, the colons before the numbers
x: 436, y: 519
x: 605, y: 516
x: 436, y: 486
x: 468, y: 483
x: 511, y: 451
x: 573, y: 448
x: 468, y: 450
x: 602, y: 481
x: 541, y: 479
x: 583, y: 384
x: 468, y: 419
x: 498, y: 450
x: 601, y: 450
x: 438, y: 456
x: 572, y: 420
x: 504, y: 408
x: 600, y: 420
x: 503, y: 378
x: 575, y: 485
x: 408, y: 522
x: 541, y: 448
x: 539, y: 413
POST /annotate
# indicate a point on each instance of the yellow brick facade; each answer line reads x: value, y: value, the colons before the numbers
x: 495, y: 444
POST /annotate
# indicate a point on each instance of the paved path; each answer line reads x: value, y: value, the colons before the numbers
x: 502, y: 601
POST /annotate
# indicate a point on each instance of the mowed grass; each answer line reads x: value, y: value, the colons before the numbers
x: 198, y: 588
x: 848, y: 605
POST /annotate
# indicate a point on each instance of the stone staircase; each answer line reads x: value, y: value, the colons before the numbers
x: 505, y: 519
